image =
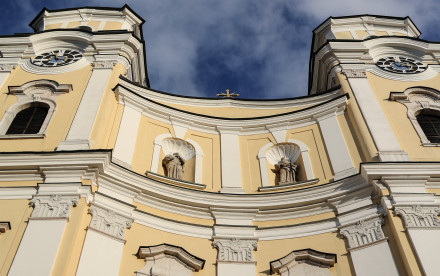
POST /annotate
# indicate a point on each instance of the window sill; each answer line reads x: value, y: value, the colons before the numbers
x: 431, y: 144
x: 283, y: 187
x: 22, y: 136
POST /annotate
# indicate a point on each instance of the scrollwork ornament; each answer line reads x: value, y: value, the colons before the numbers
x: 52, y: 206
x: 417, y: 216
x: 363, y: 232
x: 109, y: 222
x: 352, y: 73
x: 235, y: 250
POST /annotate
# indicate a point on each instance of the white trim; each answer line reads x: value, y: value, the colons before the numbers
x: 199, y: 161
x: 156, y: 151
x: 30, y: 94
x: 263, y: 165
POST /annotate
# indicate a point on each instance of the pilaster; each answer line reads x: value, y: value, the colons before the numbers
x: 44, y: 232
x: 383, y: 137
x: 102, y: 250
x: 369, y: 248
x: 82, y: 124
x: 423, y: 227
x: 235, y: 256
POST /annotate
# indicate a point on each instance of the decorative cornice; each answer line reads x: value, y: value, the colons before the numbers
x: 150, y: 254
x: 235, y: 250
x: 52, y: 206
x: 103, y: 64
x: 417, y: 216
x: 310, y: 256
x: 7, y: 67
x: 353, y: 73
x: 109, y: 222
x: 363, y: 232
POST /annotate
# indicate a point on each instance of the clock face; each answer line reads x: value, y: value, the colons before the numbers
x: 401, y: 65
x: 57, y: 58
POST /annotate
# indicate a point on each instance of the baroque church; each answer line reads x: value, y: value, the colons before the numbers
x: 102, y: 175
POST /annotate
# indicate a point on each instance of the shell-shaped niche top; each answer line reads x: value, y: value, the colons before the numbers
x: 290, y: 151
x: 185, y: 149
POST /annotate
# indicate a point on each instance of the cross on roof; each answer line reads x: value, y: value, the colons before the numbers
x: 228, y: 95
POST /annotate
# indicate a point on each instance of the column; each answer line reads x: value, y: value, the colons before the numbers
x: 102, y: 249
x: 81, y: 128
x: 336, y: 147
x: 127, y: 134
x: 230, y: 161
x: 5, y: 70
x: 369, y: 249
x: 423, y: 228
x: 377, y: 123
x: 41, y: 240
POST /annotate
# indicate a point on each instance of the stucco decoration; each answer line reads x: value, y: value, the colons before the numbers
x: 174, y: 164
x: 168, y: 260
x: 363, y: 232
x: 289, y: 151
x: 109, y: 222
x: 52, y: 206
x: 235, y: 250
x: 185, y: 149
x: 416, y: 216
x: 304, y: 262
x: 417, y: 100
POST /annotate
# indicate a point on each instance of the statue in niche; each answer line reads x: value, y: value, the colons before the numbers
x: 285, y: 171
x: 174, y: 164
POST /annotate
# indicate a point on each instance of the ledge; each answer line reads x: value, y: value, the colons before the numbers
x: 176, y: 182
x: 22, y: 136
x: 288, y: 186
x: 4, y: 226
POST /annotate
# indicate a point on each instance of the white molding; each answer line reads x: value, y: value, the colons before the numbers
x: 419, y: 216
x: 230, y: 161
x: 199, y: 160
x: 263, y: 165
x: 319, y: 260
x: 179, y: 261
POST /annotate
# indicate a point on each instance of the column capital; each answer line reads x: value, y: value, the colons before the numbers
x: 7, y: 67
x: 235, y: 250
x: 354, y: 73
x: 419, y: 216
x: 363, y: 232
x: 103, y: 64
x: 52, y: 206
x: 109, y: 222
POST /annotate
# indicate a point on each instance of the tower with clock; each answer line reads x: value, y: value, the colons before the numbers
x: 101, y: 174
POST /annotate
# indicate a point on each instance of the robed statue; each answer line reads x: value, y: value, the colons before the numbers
x: 286, y: 171
x: 174, y: 164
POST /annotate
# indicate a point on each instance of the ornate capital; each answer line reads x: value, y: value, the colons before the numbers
x: 109, y: 222
x: 354, y: 73
x: 416, y: 216
x: 53, y: 206
x: 235, y: 250
x: 6, y: 67
x: 363, y: 232
x: 103, y: 64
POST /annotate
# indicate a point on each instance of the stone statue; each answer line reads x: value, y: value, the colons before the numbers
x: 174, y: 164
x: 286, y: 170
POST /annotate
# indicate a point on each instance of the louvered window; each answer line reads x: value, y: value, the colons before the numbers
x: 28, y: 121
x: 430, y: 126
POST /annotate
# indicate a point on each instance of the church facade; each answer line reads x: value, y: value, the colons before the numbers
x: 102, y: 175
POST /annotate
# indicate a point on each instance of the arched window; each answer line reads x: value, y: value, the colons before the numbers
x: 29, y: 120
x: 430, y: 125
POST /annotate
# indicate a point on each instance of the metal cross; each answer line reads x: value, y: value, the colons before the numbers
x: 228, y: 95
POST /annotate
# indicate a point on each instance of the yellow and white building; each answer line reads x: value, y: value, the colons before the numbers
x: 83, y: 189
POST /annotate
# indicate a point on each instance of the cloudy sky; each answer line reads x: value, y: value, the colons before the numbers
x: 258, y: 48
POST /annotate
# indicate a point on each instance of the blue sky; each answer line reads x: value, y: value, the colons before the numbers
x: 258, y: 48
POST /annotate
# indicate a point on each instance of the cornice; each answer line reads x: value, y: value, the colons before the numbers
x: 244, y: 126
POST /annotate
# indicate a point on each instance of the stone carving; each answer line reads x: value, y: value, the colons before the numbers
x: 185, y: 149
x: 5, y: 67
x: 109, y: 222
x: 304, y: 262
x: 235, y: 250
x: 363, y: 232
x: 53, y: 206
x: 103, y: 64
x: 285, y: 171
x: 174, y: 164
x: 352, y: 73
x: 419, y: 216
